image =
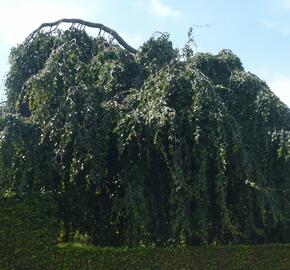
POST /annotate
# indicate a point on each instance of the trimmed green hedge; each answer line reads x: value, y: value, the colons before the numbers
x: 78, y: 257
x: 272, y: 257
x: 29, y: 231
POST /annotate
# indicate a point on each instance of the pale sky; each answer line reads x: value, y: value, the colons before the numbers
x: 258, y: 31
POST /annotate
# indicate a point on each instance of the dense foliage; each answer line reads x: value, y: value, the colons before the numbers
x: 164, y: 147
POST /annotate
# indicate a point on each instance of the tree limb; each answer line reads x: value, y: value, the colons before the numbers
x: 108, y: 30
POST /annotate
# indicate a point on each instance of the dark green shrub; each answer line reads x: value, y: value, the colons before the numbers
x: 28, y: 230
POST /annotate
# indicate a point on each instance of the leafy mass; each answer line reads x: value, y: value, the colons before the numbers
x: 158, y: 147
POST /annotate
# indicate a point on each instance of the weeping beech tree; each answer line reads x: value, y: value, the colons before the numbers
x: 155, y: 146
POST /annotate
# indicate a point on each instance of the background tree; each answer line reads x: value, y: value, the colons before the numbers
x: 155, y: 146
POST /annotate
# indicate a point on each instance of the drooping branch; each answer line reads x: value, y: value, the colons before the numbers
x: 100, y: 26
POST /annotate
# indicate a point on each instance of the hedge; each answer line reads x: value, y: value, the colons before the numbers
x: 73, y: 256
x: 28, y: 240
x: 28, y: 230
x: 230, y: 257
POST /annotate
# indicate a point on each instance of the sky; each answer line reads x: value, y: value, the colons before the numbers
x: 258, y: 31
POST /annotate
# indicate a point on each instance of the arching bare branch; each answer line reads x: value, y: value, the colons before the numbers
x: 100, y: 26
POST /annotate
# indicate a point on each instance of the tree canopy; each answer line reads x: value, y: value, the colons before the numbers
x: 157, y: 147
